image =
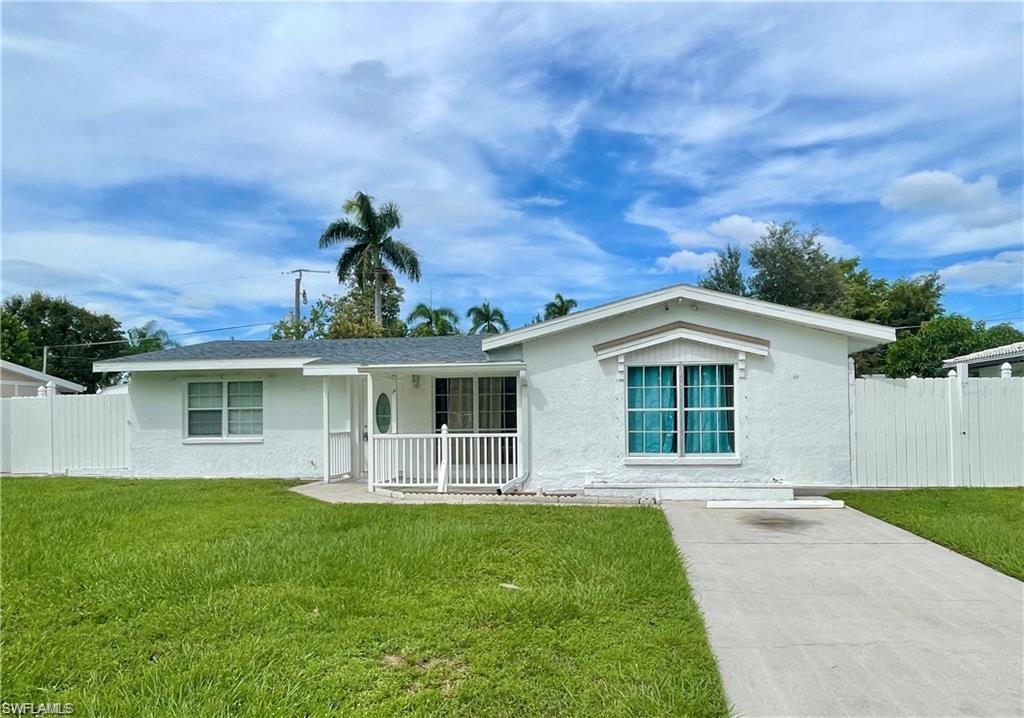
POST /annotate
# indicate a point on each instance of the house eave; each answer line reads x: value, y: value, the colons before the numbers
x: 114, y: 365
x: 446, y: 368
x: 40, y: 376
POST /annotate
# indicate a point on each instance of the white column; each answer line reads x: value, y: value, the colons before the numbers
x: 394, y: 407
x: 370, y: 458
x: 327, y: 432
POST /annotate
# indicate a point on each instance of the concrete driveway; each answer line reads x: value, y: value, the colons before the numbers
x: 829, y: 612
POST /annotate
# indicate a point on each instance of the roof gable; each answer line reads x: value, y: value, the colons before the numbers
x: 872, y: 334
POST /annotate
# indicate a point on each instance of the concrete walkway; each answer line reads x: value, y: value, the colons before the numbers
x: 829, y: 612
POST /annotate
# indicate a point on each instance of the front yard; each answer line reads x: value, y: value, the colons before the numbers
x: 134, y: 598
x: 985, y: 524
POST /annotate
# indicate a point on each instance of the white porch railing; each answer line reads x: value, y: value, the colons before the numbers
x: 445, y: 460
x: 339, y: 453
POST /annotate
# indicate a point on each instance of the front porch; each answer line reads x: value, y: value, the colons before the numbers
x: 441, y: 428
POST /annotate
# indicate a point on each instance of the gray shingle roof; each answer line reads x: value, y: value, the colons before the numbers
x: 401, y: 350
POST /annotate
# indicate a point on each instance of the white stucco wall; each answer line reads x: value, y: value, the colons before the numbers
x: 292, y: 442
x: 792, y: 407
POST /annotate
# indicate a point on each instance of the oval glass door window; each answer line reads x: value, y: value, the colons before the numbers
x: 383, y: 413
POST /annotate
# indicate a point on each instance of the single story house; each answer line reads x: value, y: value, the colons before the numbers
x: 18, y: 380
x: 680, y: 392
x: 990, y: 362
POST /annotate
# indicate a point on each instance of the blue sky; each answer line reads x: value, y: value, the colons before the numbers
x: 168, y: 162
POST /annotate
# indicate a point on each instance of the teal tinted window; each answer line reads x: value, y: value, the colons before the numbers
x: 709, y: 423
x: 651, y: 408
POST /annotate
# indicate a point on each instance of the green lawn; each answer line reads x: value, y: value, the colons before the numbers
x: 224, y: 598
x: 985, y: 524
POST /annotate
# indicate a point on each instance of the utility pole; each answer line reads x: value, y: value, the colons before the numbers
x: 297, y: 315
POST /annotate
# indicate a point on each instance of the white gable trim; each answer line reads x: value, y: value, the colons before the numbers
x: 688, y: 335
x: 684, y: 292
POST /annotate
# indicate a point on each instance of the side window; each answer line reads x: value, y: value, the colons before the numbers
x: 218, y: 409
x: 205, y: 408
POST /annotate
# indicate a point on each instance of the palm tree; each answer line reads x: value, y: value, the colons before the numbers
x: 486, y: 319
x: 148, y: 338
x: 558, y: 307
x: 372, y: 247
x: 440, y: 322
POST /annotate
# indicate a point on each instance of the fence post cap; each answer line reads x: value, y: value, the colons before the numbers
x: 952, y: 374
x: 1005, y: 370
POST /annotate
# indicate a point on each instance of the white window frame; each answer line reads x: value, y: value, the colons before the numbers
x: 224, y: 437
x: 681, y: 458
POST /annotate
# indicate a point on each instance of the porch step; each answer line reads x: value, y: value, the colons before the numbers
x: 693, y: 492
x: 798, y: 503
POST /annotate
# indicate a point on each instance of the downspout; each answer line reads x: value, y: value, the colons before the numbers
x: 523, y: 420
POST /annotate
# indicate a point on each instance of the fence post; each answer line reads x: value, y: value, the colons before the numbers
x: 442, y: 470
x: 1005, y: 370
x: 50, y: 392
x: 852, y: 418
x: 952, y: 386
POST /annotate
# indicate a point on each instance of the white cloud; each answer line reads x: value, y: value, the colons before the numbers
x: 1002, y: 273
x: 738, y: 228
x: 686, y: 261
x: 940, y: 213
x: 541, y: 201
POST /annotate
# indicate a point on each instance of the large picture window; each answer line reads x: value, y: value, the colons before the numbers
x: 224, y: 409
x: 703, y: 411
x: 484, y: 404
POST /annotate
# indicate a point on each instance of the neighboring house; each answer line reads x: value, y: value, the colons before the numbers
x: 18, y: 380
x: 989, y: 362
x: 680, y: 392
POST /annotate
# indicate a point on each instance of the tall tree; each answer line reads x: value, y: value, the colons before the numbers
x: 922, y: 353
x: 433, y: 322
x: 726, y: 273
x: 56, y: 322
x: 558, y: 307
x: 792, y: 268
x: 372, y: 253
x: 14, y: 343
x: 348, y: 316
x: 485, y: 319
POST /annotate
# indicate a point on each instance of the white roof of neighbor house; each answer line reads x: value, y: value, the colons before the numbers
x: 9, y: 367
x: 1007, y: 352
x: 873, y: 334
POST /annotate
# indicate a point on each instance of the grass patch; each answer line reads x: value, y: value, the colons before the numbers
x: 985, y: 524
x: 227, y: 598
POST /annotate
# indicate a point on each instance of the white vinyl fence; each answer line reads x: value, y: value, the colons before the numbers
x: 937, y: 432
x: 65, y: 434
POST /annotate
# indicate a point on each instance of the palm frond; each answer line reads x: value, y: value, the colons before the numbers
x: 389, y: 217
x: 341, y: 230
x: 352, y: 262
x: 401, y: 256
